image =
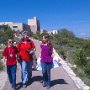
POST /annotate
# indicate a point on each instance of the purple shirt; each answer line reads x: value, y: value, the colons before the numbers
x: 46, y: 52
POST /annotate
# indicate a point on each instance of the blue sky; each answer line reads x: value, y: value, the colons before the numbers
x: 53, y: 14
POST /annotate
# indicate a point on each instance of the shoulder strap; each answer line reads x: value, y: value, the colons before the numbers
x: 30, y: 43
x: 19, y: 46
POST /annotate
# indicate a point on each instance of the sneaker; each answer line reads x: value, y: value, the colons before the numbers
x: 41, y: 81
x: 48, y: 86
x: 44, y: 84
x: 24, y: 86
x: 13, y: 89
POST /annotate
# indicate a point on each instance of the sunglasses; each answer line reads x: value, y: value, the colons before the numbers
x: 10, y: 41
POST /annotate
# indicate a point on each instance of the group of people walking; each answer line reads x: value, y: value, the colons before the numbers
x: 23, y: 53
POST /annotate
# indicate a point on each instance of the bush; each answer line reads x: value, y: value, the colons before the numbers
x: 4, y: 35
x: 79, y: 58
x: 79, y: 72
x: 1, y: 66
x: 87, y: 69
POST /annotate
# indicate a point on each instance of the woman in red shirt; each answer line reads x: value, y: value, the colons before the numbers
x: 9, y: 56
x: 26, y: 58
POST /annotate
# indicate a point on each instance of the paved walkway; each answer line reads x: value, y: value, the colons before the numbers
x: 60, y: 80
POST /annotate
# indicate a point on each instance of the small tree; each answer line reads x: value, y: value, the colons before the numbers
x: 80, y: 58
x: 6, y: 34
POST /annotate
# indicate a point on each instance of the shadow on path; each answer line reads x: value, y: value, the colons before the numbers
x: 18, y: 85
x: 35, y: 78
x: 58, y: 81
x: 38, y: 79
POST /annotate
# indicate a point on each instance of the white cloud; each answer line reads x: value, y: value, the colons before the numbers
x: 83, y: 35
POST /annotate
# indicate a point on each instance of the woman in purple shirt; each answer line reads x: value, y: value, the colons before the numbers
x: 46, y: 60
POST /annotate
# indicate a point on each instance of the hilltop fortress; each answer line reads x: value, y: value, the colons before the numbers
x: 33, y: 25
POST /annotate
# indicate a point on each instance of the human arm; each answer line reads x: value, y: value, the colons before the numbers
x: 4, y: 54
x: 33, y: 48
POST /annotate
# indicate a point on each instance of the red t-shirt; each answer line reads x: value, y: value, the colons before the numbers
x: 10, y: 54
x: 23, y: 47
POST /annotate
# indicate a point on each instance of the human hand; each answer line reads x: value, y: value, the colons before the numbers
x: 3, y: 61
x: 31, y: 52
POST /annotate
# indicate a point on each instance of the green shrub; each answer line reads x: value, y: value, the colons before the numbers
x: 87, y: 69
x: 79, y: 72
x: 79, y: 58
x: 1, y: 66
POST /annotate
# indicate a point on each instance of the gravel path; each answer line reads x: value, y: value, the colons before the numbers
x: 3, y: 79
